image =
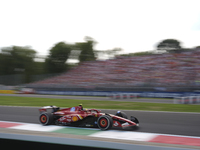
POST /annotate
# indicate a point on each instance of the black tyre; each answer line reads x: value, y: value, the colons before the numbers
x: 104, y: 122
x: 121, y: 114
x: 46, y: 118
x: 134, y: 119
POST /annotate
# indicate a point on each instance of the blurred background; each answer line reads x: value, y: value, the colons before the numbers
x: 170, y: 68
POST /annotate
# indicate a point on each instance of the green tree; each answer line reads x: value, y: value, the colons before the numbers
x: 139, y: 54
x: 114, y: 52
x: 87, y: 51
x: 108, y: 53
x: 17, y: 60
x: 58, y: 55
x: 197, y: 47
x: 169, y: 45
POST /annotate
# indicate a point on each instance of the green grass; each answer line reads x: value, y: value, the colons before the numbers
x: 39, y: 102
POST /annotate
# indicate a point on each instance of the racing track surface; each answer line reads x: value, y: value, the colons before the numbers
x: 187, y: 124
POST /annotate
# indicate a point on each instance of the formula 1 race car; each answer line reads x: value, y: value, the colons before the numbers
x: 79, y: 117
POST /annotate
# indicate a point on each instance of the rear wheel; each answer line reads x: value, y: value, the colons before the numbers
x: 46, y: 118
x: 104, y: 122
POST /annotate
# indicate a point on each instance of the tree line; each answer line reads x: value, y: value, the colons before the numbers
x: 165, y: 46
x: 21, y: 60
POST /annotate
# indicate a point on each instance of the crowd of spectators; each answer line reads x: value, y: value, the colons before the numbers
x: 177, y: 69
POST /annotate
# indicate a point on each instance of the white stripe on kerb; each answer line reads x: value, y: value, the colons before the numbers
x: 36, y: 127
x: 125, y: 135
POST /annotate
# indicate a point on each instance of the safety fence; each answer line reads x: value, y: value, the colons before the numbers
x: 187, y: 100
x: 123, y: 96
x: 119, y: 94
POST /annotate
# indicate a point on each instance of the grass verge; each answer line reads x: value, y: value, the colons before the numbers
x: 39, y: 102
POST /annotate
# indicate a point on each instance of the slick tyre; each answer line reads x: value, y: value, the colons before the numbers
x: 134, y: 119
x: 104, y: 122
x: 46, y: 118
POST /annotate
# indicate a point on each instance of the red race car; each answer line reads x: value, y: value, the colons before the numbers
x: 77, y: 116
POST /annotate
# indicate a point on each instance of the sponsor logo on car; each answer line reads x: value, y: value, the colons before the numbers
x: 80, y: 117
x: 74, y: 118
x: 115, y: 124
x: 125, y: 124
x: 61, y: 119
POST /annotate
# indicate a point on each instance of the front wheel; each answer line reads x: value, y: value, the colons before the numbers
x: 46, y: 118
x: 104, y: 122
x: 134, y: 119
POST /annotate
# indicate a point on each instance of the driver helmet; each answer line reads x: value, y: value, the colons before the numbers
x: 119, y: 113
x: 80, y: 105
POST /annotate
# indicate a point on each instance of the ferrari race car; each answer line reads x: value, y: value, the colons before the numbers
x: 79, y: 117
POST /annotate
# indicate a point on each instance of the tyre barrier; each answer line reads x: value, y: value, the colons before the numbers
x: 123, y: 96
x: 187, y: 100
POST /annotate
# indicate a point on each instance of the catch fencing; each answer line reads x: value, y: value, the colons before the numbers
x: 123, y: 96
x: 187, y: 100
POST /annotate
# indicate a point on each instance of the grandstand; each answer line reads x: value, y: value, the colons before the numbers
x: 156, y: 71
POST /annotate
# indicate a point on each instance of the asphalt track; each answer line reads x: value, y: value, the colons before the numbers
x: 187, y: 124
x: 167, y: 101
